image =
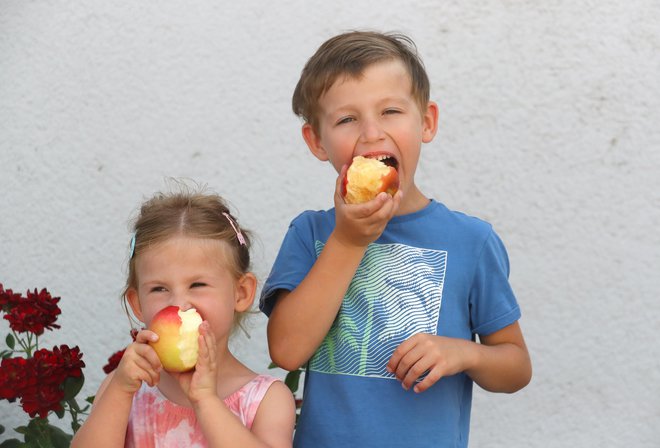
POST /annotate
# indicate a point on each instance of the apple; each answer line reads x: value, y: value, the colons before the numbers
x: 366, y: 177
x: 178, y: 333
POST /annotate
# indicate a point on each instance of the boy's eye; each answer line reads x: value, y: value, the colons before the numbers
x: 345, y: 120
x: 158, y: 289
x: 391, y: 111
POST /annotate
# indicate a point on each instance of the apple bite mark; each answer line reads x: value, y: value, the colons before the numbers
x: 178, y: 333
x: 368, y: 176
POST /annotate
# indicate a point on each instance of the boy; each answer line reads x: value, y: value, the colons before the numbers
x: 383, y: 300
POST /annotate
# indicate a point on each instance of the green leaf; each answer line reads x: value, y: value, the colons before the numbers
x: 292, y: 380
x: 5, y: 354
x: 11, y: 342
x: 272, y: 365
x: 21, y: 429
x: 2, y: 429
x: 72, y: 386
x: 11, y: 443
x: 58, y: 437
x: 90, y: 399
x: 60, y: 412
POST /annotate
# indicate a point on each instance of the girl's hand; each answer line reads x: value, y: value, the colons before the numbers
x: 361, y: 224
x: 421, y: 353
x: 201, y: 383
x: 139, y: 363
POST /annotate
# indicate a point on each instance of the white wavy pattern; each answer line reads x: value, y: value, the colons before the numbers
x: 396, y: 292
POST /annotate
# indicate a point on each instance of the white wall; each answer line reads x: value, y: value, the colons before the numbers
x: 548, y: 129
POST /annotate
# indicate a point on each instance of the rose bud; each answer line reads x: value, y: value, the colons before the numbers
x: 178, y: 333
x: 366, y: 177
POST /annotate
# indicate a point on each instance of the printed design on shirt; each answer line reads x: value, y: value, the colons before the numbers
x: 395, y: 293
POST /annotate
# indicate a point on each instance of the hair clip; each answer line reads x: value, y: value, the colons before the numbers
x: 132, y: 250
x: 234, y: 226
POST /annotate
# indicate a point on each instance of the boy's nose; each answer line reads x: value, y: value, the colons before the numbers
x: 371, y: 131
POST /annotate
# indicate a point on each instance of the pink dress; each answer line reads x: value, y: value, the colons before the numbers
x: 156, y: 422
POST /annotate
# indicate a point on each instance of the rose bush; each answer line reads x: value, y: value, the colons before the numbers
x: 43, y: 381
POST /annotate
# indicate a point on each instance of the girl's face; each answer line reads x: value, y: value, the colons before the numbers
x: 191, y: 273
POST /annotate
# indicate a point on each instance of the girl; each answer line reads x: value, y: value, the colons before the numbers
x: 188, y: 251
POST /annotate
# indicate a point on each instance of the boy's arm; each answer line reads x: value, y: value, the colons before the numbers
x: 301, y: 318
x: 500, y: 363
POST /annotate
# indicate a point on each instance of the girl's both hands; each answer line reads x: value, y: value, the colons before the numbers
x: 361, y: 224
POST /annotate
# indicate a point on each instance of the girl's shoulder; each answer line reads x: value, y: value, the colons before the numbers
x: 245, y: 401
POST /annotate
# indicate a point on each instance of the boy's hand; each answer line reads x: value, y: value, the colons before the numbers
x: 202, y: 382
x: 361, y: 224
x: 139, y: 363
x: 438, y: 355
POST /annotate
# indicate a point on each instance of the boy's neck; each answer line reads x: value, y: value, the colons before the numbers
x: 413, y: 201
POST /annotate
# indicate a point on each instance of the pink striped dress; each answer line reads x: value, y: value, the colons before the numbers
x: 156, y: 422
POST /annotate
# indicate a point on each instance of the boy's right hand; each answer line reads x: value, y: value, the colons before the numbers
x: 361, y: 224
x: 139, y: 363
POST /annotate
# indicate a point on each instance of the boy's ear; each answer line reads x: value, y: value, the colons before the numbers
x: 430, y: 122
x: 134, y: 302
x: 313, y: 141
x: 246, y: 288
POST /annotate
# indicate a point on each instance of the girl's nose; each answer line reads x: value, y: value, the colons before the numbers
x: 181, y: 300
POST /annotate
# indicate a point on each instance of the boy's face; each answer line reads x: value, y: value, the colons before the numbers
x: 372, y: 115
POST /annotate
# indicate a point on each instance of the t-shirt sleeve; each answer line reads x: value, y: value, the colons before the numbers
x: 493, y: 304
x: 293, y: 262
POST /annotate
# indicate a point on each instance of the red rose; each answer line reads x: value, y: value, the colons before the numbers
x: 14, y: 378
x: 42, y: 399
x: 34, y: 313
x: 113, y: 361
x: 7, y: 298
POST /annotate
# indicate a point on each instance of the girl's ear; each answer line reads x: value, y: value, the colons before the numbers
x: 313, y: 141
x: 134, y: 302
x: 246, y: 287
x: 430, y: 122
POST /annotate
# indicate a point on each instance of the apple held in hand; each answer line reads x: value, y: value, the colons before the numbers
x: 178, y: 334
x: 366, y: 177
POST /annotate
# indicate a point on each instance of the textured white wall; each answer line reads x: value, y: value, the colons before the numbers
x: 549, y: 130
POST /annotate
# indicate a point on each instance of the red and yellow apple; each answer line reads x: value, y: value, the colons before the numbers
x: 178, y: 333
x: 366, y: 177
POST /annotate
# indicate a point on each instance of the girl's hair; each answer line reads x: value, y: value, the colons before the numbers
x: 349, y: 54
x: 193, y: 213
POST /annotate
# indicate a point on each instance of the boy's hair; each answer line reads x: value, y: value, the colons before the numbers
x: 349, y: 54
x: 192, y: 213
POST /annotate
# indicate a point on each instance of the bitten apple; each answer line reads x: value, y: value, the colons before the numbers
x: 178, y: 333
x: 366, y: 177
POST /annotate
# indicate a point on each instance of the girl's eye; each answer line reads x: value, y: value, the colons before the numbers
x: 197, y: 285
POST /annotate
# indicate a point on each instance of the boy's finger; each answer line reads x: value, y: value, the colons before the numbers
x: 433, y: 377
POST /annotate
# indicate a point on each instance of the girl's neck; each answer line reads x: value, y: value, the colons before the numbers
x: 231, y: 376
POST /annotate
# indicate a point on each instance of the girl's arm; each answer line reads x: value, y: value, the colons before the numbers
x: 106, y: 424
x: 273, y: 424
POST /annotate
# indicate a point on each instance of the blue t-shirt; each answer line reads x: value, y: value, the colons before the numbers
x: 434, y: 271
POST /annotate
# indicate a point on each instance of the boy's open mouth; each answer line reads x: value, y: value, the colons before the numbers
x: 386, y: 159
